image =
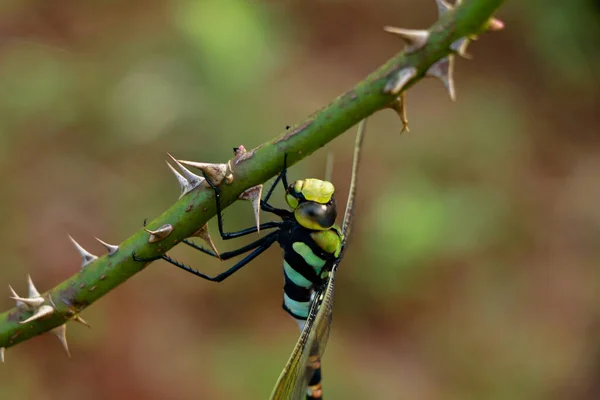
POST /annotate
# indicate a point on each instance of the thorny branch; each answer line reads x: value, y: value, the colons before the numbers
x: 428, y: 52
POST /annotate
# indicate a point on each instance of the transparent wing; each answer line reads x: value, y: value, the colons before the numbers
x: 306, y: 357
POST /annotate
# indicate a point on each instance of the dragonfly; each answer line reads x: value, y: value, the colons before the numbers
x: 313, y: 246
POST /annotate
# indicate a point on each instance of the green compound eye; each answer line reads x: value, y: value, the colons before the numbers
x: 291, y: 200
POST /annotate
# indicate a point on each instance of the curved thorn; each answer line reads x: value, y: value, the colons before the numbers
x: 160, y: 233
x: 414, y: 38
x: 443, y: 7
x: 399, y: 106
x: 399, y: 79
x: 460, y: 47
x: 444, y: 70
x: 183, y: 183
x: 215, y: 172
x: 44, y: 311
x: 20, y: 304
x: 87, y: 257
x: 61, y: 334
x: 112, y: 249
x: 34, y: 302
x: 82, y: 321
x: 33, y: 292
x: 2, y: 349
x: 204, y: 234
x: 254, y: 195
x: 193, y: 180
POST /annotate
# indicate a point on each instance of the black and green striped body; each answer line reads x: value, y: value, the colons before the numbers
x: 308, y: 257
x: 306, y: 265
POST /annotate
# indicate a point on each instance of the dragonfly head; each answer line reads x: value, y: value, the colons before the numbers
x: 313, y: 203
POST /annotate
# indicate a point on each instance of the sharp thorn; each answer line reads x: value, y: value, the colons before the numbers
x: 29, y: 302
x: 443, y: 7
x: 254, y: 195
x: 82, y: 321
x: 61, y: 334
x: 204, y: 234
x: 216, y: 172
x: 460, y: 47
x: 87, y: 257
x: 160, y: 233
x: 397, y: 82
x: 112, y: 249
x: 399, y: 106
x: 183, y: 183
x: 444, y: 70
x: 20, y: 304
x: 193, y: 180
x: 33, y: 292
x: 414, y: 38
x: 43, y: 311
x: 2, y: 350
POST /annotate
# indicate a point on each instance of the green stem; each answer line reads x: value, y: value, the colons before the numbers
x: 193, y: 210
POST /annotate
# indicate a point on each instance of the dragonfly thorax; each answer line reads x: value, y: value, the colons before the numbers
x: 313, y: 203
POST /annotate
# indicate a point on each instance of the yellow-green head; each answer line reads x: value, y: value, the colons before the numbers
x: 313, y: 203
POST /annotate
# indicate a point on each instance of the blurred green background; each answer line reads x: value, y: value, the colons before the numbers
x: 473, y: 272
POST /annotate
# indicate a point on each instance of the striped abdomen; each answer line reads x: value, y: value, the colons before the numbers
x: 308, y: 258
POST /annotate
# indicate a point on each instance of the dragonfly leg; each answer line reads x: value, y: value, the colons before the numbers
x: 233, y: 253
x: 267, y: 242
x: 236, y: 234
x: 264, y: 204
x: 281, y: 177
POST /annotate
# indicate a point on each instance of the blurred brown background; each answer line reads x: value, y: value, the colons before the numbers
x: 473, y: 272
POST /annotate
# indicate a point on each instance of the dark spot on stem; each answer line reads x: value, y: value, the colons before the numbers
x: 292, y: 133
